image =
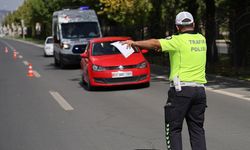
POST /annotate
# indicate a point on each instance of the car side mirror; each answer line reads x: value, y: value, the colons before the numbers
x: 84, y: 55
x: 144, y: 51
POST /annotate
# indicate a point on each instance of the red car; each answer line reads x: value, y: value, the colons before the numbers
x: 103, y: 64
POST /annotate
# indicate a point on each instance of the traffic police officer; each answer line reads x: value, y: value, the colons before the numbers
x: 186, y: 96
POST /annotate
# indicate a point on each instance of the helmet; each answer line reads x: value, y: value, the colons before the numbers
x: 184, y: 18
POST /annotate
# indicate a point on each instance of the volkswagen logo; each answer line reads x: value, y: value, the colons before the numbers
x: 121, y: 67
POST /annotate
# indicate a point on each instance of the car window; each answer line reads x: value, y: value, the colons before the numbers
x: 49, y: 40
x: 105, y: 48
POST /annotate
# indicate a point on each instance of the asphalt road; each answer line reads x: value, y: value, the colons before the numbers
x: 53, y: 111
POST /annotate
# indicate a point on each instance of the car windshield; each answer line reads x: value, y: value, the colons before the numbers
x: 80, y: 30
x: 105, y: 48
x: 49, y: 40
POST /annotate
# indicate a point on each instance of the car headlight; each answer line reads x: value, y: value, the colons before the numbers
x: 142, y: 65
x: 98, y: 68
x: 66, y: 46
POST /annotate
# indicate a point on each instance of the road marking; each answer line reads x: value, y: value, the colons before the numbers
x: 228, y: 93
x: 161, y: 77
x: 25, y: 62
x: 61, y: 101
x: 36, y: 74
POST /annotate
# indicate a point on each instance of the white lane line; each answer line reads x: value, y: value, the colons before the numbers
x: 20, y: 56
x: 36, y: 74
x: 25, y: 62
x: 228, y: 93
x: 161, y: 77
x: 61, y: 101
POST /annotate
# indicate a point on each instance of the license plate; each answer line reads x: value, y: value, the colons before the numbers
x: 122, y: 74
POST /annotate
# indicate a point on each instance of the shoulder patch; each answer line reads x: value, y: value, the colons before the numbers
x: 168, y: 38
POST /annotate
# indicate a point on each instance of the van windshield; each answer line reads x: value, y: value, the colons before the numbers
x: 80, y: 30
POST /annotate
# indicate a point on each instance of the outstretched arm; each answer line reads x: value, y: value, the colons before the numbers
x: 147, y: 44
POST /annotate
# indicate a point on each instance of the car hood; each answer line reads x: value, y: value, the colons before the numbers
x: 117, y: 59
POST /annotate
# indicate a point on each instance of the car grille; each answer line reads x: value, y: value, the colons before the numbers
x: 121, y: 67
x: 120, y: 80
x: 78, y: 49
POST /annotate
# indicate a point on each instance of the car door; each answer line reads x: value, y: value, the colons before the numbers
x: 85, y: 62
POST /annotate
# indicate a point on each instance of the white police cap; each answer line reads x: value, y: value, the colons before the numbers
x: 184, y: 18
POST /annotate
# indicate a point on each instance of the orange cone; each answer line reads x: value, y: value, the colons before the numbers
x: 14, y: 54
x: 30, y: 71
x: 6, y: 50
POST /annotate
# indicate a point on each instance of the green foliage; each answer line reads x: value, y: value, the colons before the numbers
x: 126, y: 11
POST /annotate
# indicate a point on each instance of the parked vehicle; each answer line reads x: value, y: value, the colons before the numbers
x: 103, y: 64
x: 71, y: 30
x: 48, y: 46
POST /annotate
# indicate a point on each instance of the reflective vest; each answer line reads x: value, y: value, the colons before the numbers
x: 187, y: 53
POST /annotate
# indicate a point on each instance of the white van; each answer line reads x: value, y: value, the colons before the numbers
x: 71, y: 30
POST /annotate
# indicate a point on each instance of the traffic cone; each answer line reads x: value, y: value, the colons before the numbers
x: 30, y: 71
x: 6, y: 50
x: 14, y: 54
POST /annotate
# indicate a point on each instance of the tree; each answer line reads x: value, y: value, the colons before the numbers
x: 116, y: 9
x: 123, y: 17
x: 155, y: 17
x: 240, y: 32
x: 210, y: 29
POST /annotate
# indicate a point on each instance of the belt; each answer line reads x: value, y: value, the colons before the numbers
x: 192, y: 84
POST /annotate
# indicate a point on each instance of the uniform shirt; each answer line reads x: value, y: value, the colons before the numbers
x: 187, y: 53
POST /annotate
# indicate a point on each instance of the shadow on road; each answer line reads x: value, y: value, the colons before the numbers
x: 114, y: 88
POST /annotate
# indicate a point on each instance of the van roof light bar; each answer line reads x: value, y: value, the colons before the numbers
x: 84, y: 8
